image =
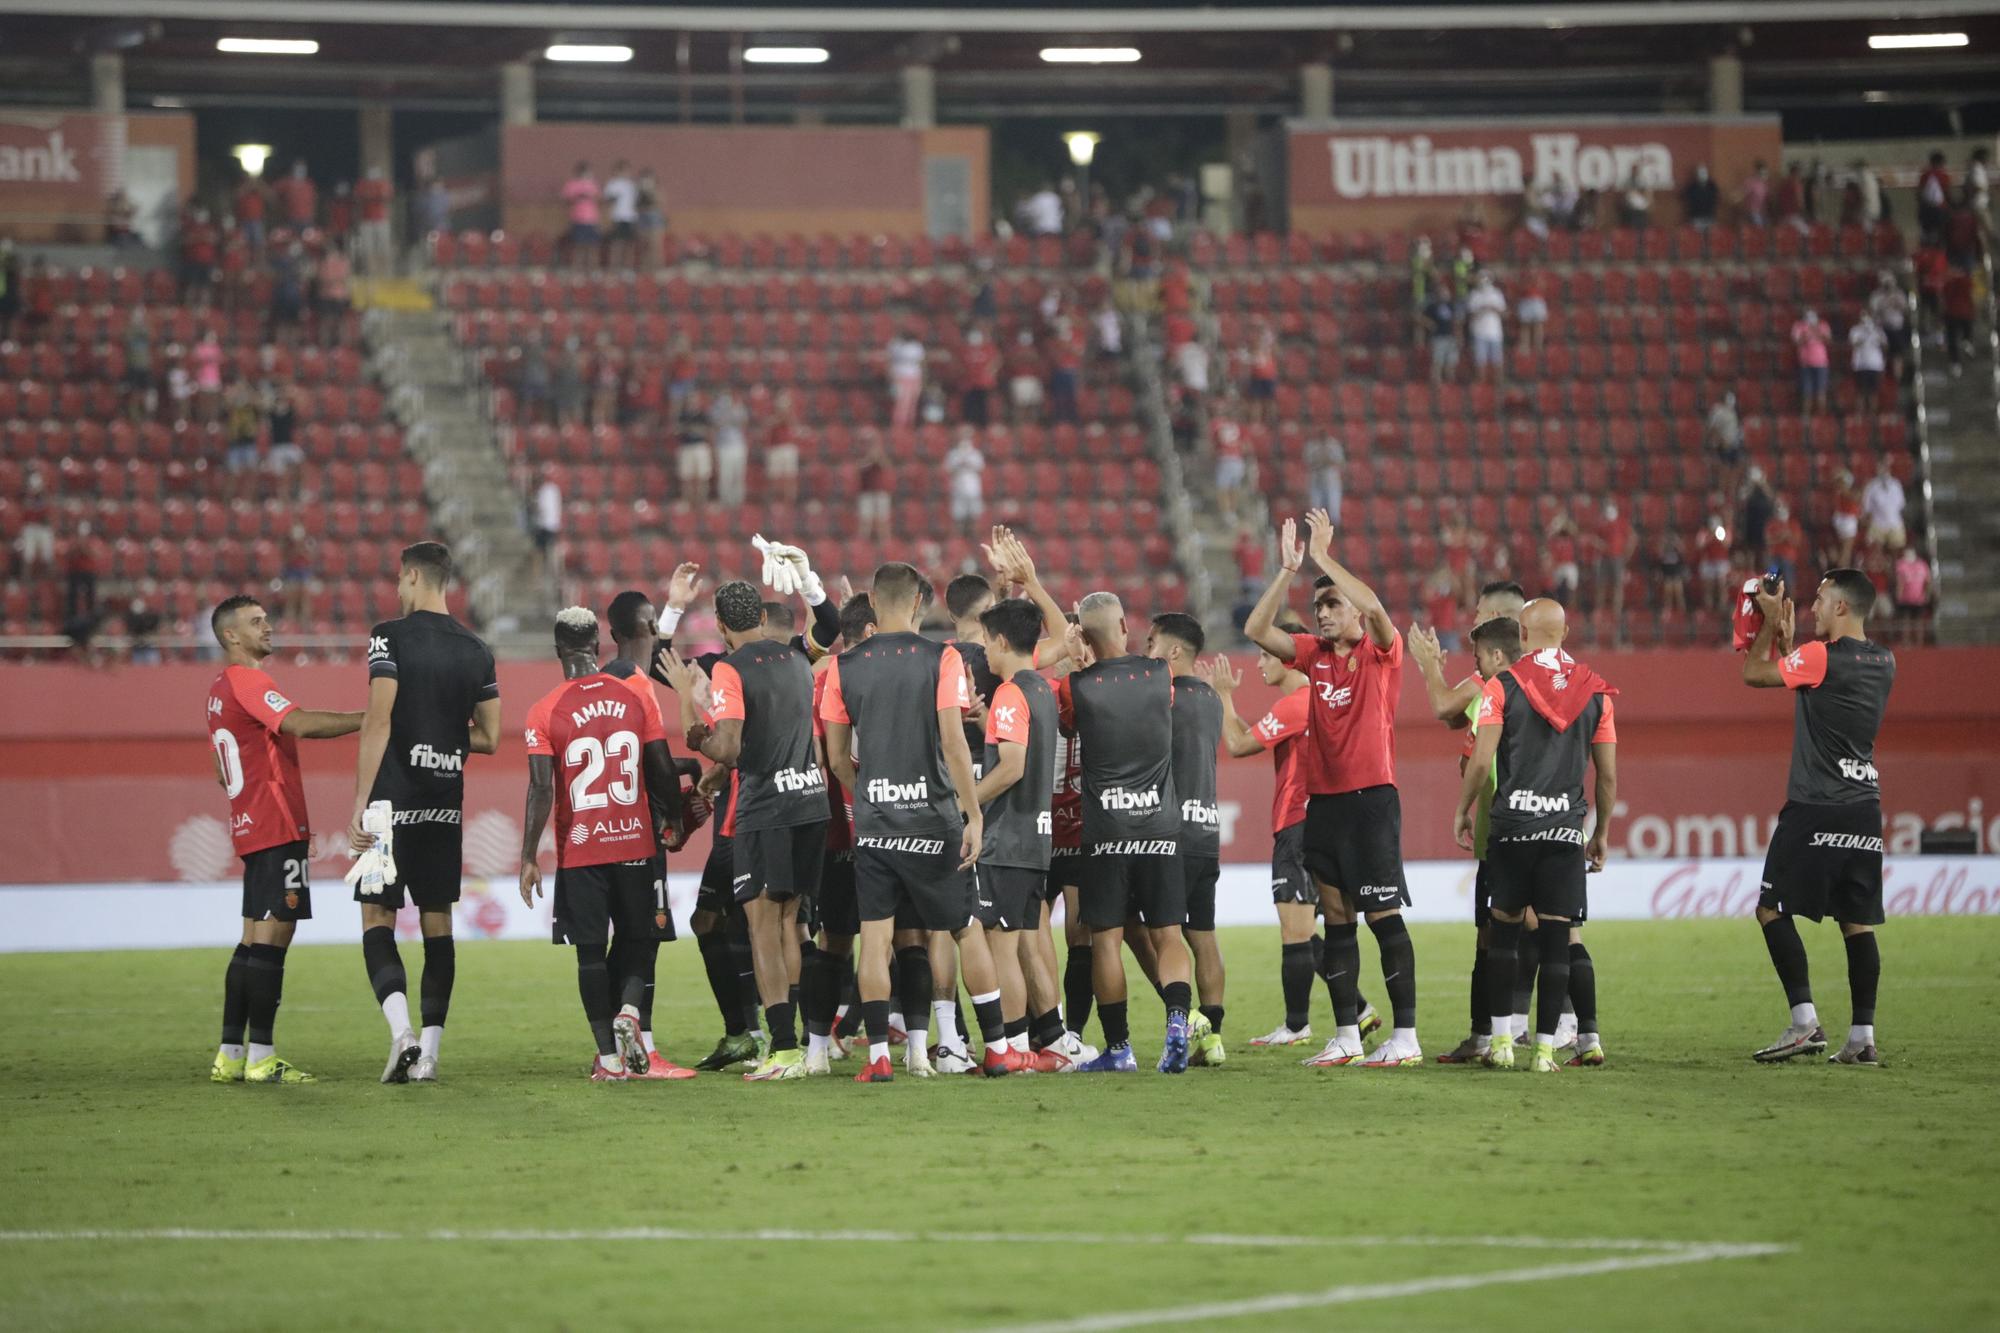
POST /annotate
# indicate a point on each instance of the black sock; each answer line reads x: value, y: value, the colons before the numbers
x: 1527, y: 962
x: 1078, y: 991
x: 1177, y: 996
x: 875, y: 1021
x: 816, y: 991
x: 1213, y: 1013
x: 747, y: 999
x: 1482, y: 1022
x: 384, y: 963
x: 594, y: 988
x: 1111, y: 1016
x: 721, y: 970
x: 1045, y: 1030
x: 1552, y: 942
x: 1342, y: 975
x: 992, y: 1027
x: 649, y: 961
x: 782, y: 1021
x: 913, y: 971
x: 1016, y: 1027
x: 264, y: 980
x: 1503, y: 944
x: 1399, y: 967
x: 1788, y: 955
x: 629, y: 968
x: 1864, y: 974
x: 1295, y: 978
x: 235, y: 997
x: 440, y: 970
x: 1583, y: 988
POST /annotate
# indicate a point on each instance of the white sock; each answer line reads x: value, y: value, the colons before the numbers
x: 816, y: 1044
x: 1545, y: 1039
x: 1482, y: 1041
x: 919, y: 1040
x: 840, y: 1012
x: 1587, y: 1041
x: 259, y: 1052
x: 1350, y: 1033
x: 429, y: 1040
x: 646, y: 1040
x: 877, y: 1050
x: 1860, y: 1034
x: 1517, y: 1025
x: 1404, y: 1038
x: 232, y: 1050
x: 944, y: 1014
x: 630, y: 1011
x: 896, y: 1021
x: 1019, y: 1042
x: 397, y: 1010
x: 1804, y: 1015
x: 611, y: 1062
x: 1503, y: 1028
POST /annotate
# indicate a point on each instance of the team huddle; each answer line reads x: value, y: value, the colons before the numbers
x: 895, y: 816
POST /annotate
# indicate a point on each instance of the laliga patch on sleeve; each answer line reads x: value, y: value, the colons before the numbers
x: 275, y: 701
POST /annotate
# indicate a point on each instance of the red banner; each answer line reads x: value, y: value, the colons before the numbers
x: 58, y: 163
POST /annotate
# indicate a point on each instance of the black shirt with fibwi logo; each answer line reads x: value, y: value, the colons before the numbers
x: 1122, y: 711
x: 1197, y: 734
x: 1550, y: 709
x: 1020, y: 821
x: 442, y: 672
x: 890, y: 689
x: 1841, y: 687
x: 769, y: 689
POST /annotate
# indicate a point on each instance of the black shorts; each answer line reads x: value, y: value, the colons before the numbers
x: 1545, y: 874
x: 591, y: 900
x: 277, y: 883
x: 1117, y: 887
x: 779, y: 863
x: 1354, y: 843
x: 1289, y: 881
x: 1201, y: 874
x: 918, y: 885
x: 718, y: 875
x: 1065, y: 864
x: 429, y: 859
x: 839, y: 910
x: 1010, y: 897
x: 1826, y: 860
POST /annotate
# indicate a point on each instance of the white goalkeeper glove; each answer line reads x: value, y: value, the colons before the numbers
x: 788, y: 571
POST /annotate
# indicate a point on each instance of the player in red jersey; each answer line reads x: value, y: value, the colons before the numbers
x: 1353, y: 842
x: 255, y: 731
x: 612, y: 750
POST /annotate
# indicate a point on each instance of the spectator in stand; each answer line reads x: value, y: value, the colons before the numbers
x: 729, y: 427
x: 375, y: 242
x: 10, y: 287
x: 1563, y: 201
x: 569, y: 382
x: 1810, y: 338
x: 1441, y: 324
x: 1109, y: 331
x: 580, y: 197
x: 297, y: 565
x: 606, y: 378
x: 872, y: 487
x: 285, y: 458
x: 1754, y: 200
x: 1537, y: 203
x: 1787, y: 541
x: 1931, y: 269
x: 1065, y: 357
x: 1964, y: 236
x: 1232, y: 467
x: 1024, y: 378
x: 201, y: 246
x: 1191, y: 370
x: 340, y: 215
x: 138, y: 383
x: 1325, y: 460
x: 1635, y: 201
x: 1890, y: 308
x: 207, y: 360
x: 83, y: 561
x: 1846, y: 518
x: 1791, y: 198
x: 1756, y: 503
x: 1960, y: 310
x: 1912, y: 582
x: 1671, y: 571
x: 652, y: 219
x: 35, y: 543
x: 1868, y: 351
x: 681, y: 369
x: 1933, y: 198
x: 905, y: 358
x: 621, y: 211
x: 233, y: 275
x: 1441, y: 607
x: 298, y: 198
x: 694, y: 456
x: 1815, y: 190
x: 180, y: 393
x: 963, y: 466
x: 1250, y: 554
x: 1584, y: 217
x: 781, y: 450
x: 244, y: 424
x: 142, y: 627
x: 1041, y: 213
x: 978, y: 377
x: 1486, y: 310
x: 249, y: 206
x: 433, y: 210
x: 1260, y: 361
x: 1979, y: 184
x: 1565, y: 573
x: 1712, y: 561
x: 1531, y: 315
x: 332, y: 288
x: 1611, y: 546
x: 288, y: 295
x: 549, y: 525
x: 1423, y: 285
x: 533, y: 381
x: 1700, y: 199
x: 120, y: 218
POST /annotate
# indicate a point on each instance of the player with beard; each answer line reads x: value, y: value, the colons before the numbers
x: 1826, y: 853
x: 1177, y: 639
x: 1353, y: 842
x: 1543, y: 716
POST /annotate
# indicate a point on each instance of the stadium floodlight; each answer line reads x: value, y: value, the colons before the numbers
x: 1916, y: 41
x: 267, y: 46
x: 1089, y: 55
x: 1082, y: 146
x: 586, y: 54
x: 253, y: 156
x: 784, y: 55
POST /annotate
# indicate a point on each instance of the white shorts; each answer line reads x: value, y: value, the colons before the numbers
x: 874, y: 506
x: 1532, y: 310
x: 967, y: 508
x: 1886, y: 534
x: 1229, y: 473
x: 781, y: 460
x: 1025, y: 390
x: 1846, y: 525
x: 696, y: 462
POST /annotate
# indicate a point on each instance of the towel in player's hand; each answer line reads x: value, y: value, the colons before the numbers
x: 376, y: 867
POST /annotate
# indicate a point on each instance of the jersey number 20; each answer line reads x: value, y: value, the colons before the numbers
x: 590, y: 754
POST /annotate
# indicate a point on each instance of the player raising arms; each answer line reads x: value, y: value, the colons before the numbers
x: 893, y: 707
x: 612, y: 752
x: 1542, y: 717
x: 1354, y: 820
x: 1177, y: 639
x: 1826, y: 854
x: 255, y: 732
x: 433, y: 695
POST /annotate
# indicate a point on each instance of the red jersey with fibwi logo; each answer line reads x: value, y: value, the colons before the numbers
x: 260, y: 764
x: 595, y: 729
x: 1350, y: 741
x: 1282, y: 731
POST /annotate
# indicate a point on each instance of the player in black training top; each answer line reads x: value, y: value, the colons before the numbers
x: 1121, y: 708
x: 1826, y: 853
x: 433, y: 696
x: 1177, y: 639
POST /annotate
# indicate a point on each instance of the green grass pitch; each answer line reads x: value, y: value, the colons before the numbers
x: 1371, y: 1189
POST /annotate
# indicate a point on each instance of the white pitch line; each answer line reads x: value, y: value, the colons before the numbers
x: 1377, y: 1291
